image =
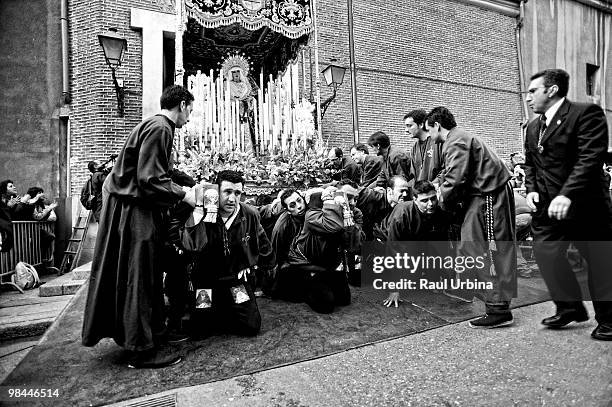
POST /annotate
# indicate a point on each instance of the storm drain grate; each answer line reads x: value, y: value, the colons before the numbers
x: 168, y: 400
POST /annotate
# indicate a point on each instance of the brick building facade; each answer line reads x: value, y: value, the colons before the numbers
x: 408, y: 54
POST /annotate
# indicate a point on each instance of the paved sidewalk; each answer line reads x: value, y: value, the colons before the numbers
x: 522, y: 365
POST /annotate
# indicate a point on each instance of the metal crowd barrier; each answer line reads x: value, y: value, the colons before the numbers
x: 27, y: 247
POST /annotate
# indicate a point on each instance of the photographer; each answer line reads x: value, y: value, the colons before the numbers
x: 98, y: 175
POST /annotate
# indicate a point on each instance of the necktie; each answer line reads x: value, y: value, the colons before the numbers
x: 541, y: 133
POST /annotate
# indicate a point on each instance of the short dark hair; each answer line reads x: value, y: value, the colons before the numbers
x: 338, y: 151
x: 286, y: 194
x: 349, y: 182
x: 554, y: 77
x: 33, y: 191
x: 263, y: 199
x: 234, y: 177
x: 394, y: 179
x: 361, y: 147
x: 418, y: 115
x: 91, y: 166
x: 443, y: 116
x: 173, y: 95
x: 422, y: 187
x: 379, y: 139
x: 4, y: 186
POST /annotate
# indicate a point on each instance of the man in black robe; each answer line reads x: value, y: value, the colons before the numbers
x: 377, y: 204
x: 477, y: 177
x: 426, y: 161
x: 314, y: 255
x: 236, y: 244
x: 125, y: 297
x: 345, y: 167
x: 371, y: 165
x: 395, y: 161
x: 420, y: 219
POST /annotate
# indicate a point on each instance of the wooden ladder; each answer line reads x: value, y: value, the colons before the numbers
x: 75, y: 243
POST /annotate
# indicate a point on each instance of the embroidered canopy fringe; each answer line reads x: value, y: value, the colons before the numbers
x: 249, y: 22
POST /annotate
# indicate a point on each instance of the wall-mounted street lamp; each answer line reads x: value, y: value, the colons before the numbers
x: 334, y: 75
x: 114, y: 47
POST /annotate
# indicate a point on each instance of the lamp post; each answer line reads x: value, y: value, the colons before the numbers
x: 334, y: 75
x: 114, y: 47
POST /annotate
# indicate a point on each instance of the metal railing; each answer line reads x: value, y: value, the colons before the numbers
x: 27, y: 247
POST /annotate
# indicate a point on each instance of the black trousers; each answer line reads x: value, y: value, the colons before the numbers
x: 321, y: 290
x: 593, y: 239
x: 225, y: 316
x: 176, y: 285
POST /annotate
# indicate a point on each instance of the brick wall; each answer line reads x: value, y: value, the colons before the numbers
x: 420, y: 54
x: 409, y: 54
x: 96, y: 129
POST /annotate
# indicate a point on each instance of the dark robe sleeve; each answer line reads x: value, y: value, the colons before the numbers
x: 456, y: 170
x: 328, y: 220
x: 153, y: 165
x: 372, y: 167
x: 398, y: 225
x: 351, y: 171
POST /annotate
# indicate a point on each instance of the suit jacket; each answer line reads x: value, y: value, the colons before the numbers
x: 396, y: 162
x: 471, y: 168
x: 571, y: 162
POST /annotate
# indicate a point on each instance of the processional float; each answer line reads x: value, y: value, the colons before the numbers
x: 235, y: 107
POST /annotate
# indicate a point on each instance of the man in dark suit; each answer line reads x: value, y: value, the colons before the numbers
x: 566, y: 188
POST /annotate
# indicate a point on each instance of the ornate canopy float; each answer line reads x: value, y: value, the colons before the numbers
x: 238, y: 57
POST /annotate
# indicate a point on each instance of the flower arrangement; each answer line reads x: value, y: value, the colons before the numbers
x: 302, y: 169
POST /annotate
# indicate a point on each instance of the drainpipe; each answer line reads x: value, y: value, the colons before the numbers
x: 66, y: 99
x: 519, y: 50
x: 353, y: 72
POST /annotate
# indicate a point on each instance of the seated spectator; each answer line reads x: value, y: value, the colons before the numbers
x: 42, y: 212
x: 6, y: 228
x: 17, y: 206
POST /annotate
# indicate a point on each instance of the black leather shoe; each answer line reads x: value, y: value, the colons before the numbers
x: 564, y: 317
x: 602, y: 333
x: 152, y: 360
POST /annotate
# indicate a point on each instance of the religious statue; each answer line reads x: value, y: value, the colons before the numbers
x: 243, y: 89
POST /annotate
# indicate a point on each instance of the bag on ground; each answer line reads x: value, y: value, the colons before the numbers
x: 25, y: 276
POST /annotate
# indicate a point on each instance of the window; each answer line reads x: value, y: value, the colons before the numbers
x: 591, y: 80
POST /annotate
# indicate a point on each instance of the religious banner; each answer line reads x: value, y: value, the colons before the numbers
x: 291, y: 18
